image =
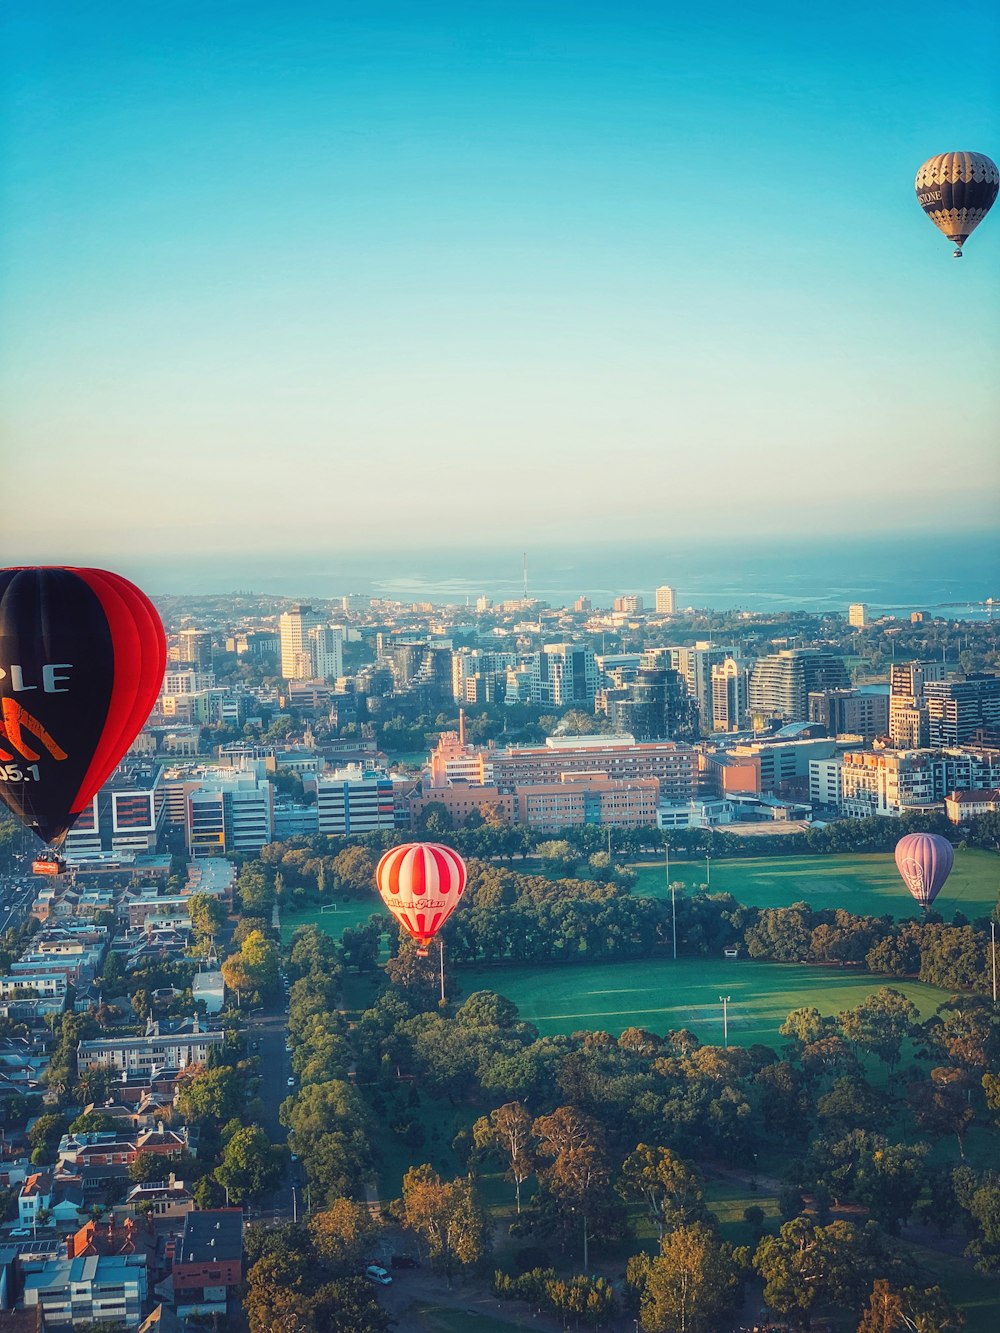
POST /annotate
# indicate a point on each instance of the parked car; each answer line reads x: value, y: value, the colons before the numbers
x: 291, y: 1082
x: 403, y: 1261
x: 376, y: 1274
x: 19, y: 1233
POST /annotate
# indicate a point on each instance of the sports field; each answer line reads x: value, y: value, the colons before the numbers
x: 864, y: 885
x: 351, y: 913
x: 660, y: 994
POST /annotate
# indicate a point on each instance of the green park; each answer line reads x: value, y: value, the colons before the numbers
x: 662, y: 994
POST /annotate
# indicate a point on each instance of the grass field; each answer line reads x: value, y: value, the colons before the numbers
x: 864, y: 885
x: 660, y: 994
x: 352, y: 913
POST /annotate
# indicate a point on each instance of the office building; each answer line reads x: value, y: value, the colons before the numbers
x: 730, y: 695
x: 863, y: 711
x: 909, y: 722
x: 781, y: 683
x: 958, y: 709
x: 622, y: 758
x: 296, y: 654
x: 665, y: 600
x: 195, y: 648
x: 93, y: 1288
x: 695, y: 665
x: 127, y: 814
x: 230, y: 812
x: 857, y: 615
x: 630, y: 604
x: 654, y: 706
x: 563, y: 675
x: 355, y: 800
x: 588, y: 798
x: 208, y: 1262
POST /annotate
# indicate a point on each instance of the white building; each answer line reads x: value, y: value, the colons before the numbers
x: 355, y: 800
x: 232, y: 812
x: 857, y: 615
x: 208, y: 986
x: 666, y: 600
x: 296, y: 655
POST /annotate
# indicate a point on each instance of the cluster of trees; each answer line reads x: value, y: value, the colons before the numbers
x: 330, y: 1127
x: 305, y: 1278
x: 254, y: 969
x: 952, y: 956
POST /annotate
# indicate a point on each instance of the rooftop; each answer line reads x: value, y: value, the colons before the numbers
x: 214, y: 1234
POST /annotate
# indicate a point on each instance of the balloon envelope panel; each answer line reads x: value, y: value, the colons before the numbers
x: 82, y: 654
x: 421, y: 884
x: 924, y: 860
x: 956, y: 191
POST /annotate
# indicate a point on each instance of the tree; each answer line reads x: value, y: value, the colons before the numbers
x: 448, y: 1217
x: 212, y: 1096
x: 669, y: 1188
x: 146, y: 1166
x: 579, y: 1179
x: 250, y: 1166
x: 924, y: 1311
x: 805, y: 1264
x: 355, y: 869
x: 880, y: 1024
x: 507, y: 1130
x: 691, y: 1284
x: 343, y: 1234
x: 261, y: 958
x: 208, y: 915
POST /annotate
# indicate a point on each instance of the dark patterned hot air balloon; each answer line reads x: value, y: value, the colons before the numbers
x: 956, y: 191
x: 421, y: 883
x: 924, y: 860
x: 82, y: 654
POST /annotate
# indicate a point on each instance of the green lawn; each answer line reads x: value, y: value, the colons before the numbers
x: 354, y: 912
x: 864, y: 885
x: 661, y: 994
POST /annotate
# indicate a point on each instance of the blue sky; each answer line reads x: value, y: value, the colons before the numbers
x: 307, y: 276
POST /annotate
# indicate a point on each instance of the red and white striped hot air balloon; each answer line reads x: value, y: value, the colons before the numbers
x: 421, y: 883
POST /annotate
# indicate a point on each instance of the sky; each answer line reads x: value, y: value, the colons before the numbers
x: 292, y: 278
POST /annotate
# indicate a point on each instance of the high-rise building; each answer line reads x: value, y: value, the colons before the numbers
x: 355, y: 800
x: 730, y: 685
x: 856, y: 712
x: 909, y: 724
x: 957, y: 709
x: 326, y: 652
x: 857, y: 615
x: 195, y: 647
x: 127, y: 814
x: 780, y: 684
x: 564, y: 674
x: 630, y: 604
x: 230, y: 812
x: 695, y: 665
x: 294, y: 627
x: 654, y: 706
x: 665, y: 600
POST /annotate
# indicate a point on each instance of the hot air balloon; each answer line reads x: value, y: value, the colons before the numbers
x: 421, y: 883
x: 956, y: 191
x: 924, y: 860
x: 82, y: 654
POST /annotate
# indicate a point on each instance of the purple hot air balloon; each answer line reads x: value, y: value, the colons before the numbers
x: 924, y: 860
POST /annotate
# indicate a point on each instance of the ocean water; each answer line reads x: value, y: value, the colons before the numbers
x: 944, y: 573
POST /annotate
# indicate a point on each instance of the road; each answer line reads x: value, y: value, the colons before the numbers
x: 268, y: 1032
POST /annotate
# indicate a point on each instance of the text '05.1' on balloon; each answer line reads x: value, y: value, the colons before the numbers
x: 82, y: 654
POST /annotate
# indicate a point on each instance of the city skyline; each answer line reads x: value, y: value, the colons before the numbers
x: 309, y: 279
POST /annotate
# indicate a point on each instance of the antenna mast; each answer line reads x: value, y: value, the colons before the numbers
x: 524, y: 566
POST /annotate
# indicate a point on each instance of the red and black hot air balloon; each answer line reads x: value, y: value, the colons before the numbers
x: 924, y: 860
x: 82, y: 654
x: 421, y: 883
